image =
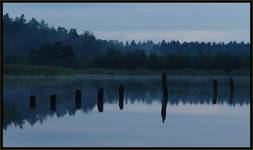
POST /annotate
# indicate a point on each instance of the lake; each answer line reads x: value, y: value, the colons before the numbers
x: 192, y: 118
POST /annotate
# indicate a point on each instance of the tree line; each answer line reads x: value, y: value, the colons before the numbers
x: 58, y: 54
x: 138, y: 59
x: 34, y: 42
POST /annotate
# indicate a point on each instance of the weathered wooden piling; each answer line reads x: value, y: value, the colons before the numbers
x: 121, y: 96
x: 53, y: 102
x: 215, y: 91
x: 164, y: 85
x: 33, y: 102
x: 78, y: 99
x: 100, y: 102
x: 165, y: 96
x: 231, y: 85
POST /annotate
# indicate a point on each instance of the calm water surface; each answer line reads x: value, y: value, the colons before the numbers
x: 191, y: 117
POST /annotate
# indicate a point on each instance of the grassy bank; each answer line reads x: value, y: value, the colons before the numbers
x: 16, y: 70
x: 35, y: 70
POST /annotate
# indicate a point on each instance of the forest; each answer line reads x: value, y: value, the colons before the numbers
x: 35, y: 42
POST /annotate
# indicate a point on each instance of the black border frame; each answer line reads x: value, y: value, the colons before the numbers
x: 127, y: 1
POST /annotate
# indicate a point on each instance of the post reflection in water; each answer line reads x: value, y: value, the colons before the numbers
x: 33, y: 102
x: 215, y: 91
x: 231, y: 85
x: 121, y: 97
x: 53, y: 102
x: 164, y: 107
x: 165, y: 96
x: 78, y: 102
x: 100, y: 102
x: 135, y: 90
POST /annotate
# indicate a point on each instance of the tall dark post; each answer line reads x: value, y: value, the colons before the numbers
x: 100, y: 102
x: 78, y: 99
x: 165, y: 96
x: 164, y: 84
x: 231, y: 85
x: 33, y: 102
x: 215, y: 91
x: 121, y: 96
x: 53, y: 102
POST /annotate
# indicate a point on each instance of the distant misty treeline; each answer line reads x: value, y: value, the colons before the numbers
x: 34, y: 42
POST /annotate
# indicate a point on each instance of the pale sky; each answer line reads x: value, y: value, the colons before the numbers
x: 145, y: 21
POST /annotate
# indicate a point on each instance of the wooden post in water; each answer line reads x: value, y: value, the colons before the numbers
x: 231, y: 85
x: 164, y: 85
x: 100, y: 102
x: 215, y: 91
x: 121, y: 96
x: 53, y: 102
x: 165, y: 96
x: 78, y: 99
x: 33, y: 102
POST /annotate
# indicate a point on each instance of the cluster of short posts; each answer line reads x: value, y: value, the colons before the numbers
x: 100, y: 97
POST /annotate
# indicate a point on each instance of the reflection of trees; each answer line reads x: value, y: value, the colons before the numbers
x: 16, y: 96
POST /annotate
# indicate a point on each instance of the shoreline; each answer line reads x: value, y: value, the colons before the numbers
x: 49, y: 71
x: 108, y: 76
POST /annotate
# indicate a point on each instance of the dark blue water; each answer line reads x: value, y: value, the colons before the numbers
x: 191, y: 117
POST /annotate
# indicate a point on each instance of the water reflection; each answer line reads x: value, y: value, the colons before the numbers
x: 231, y: 85
x: 78, y: 99
x: 33, y: 102
x: 164, y: 107
x: 53, y: 102
x: 215, y: 91
x: 165, y: 96
x: 100, y: 102
x: 20, y: 106
x: 121, y: 97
